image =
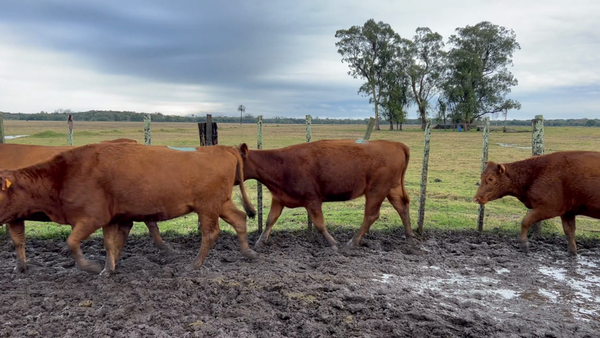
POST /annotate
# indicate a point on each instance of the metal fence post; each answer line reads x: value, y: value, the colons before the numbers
x: 308, y: 138
x: 259, y: 188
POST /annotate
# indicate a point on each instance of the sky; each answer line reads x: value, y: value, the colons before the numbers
x: 277, y: 58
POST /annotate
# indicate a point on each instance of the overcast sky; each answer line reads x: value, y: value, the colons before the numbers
x: 278, y: 58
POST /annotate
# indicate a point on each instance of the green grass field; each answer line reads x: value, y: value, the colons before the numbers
x: 455, y: 159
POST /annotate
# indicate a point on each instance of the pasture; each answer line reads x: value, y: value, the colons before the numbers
x: 453, y: 282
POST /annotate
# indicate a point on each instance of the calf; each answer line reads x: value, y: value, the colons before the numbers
x: 103, y: 185
x: 13, y: 156
x: 308, y: 174
x: 565, y: 184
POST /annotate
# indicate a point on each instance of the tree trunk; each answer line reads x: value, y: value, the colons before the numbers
x: 391, y: 125
x: 422, y: 112
x: 400, y: 126
x: 376, y: 110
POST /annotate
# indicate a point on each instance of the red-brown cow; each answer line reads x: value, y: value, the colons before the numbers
x: 13, y: 156
x: 565, y: 184
x: 101, y: 185
x: 308, y: 174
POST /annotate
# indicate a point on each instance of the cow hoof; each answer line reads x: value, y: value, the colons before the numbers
x: 351, y: 244
x: 573, y: 253
x: 250, y: 254
x: 259, y: 245
x: 90, y: 267
x: 193, y: 267
x: 525, y: 247
x: 106, y: 273
x: 20, y: 268
x: 335, y: 248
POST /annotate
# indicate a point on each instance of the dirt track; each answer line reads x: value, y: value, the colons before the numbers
x: 449, y: 284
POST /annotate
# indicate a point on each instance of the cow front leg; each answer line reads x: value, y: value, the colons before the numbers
x: 17, y: 234
x: 210, y: 233
x: 113, y: 243
x: 372, y: 206
x: 316, y: 214
x: 80, y: 232
x: 535, y: 215
x: 158, y: 241
x: 237, y: 219
x: 568, y: 222
x: 274, y: 213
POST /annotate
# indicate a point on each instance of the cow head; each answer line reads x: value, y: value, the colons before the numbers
x: 495, y: 183
x: 243, y: 149
x: 9, y: 186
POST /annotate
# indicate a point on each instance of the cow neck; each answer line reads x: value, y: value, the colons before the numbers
x: 520, y: 174
x: 264, y: 166
x: 39, y: 183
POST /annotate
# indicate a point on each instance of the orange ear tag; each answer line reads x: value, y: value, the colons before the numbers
x: 8, y: 183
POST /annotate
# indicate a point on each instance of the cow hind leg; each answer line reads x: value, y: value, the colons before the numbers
x: 80, y: 232
x: 17, y: 234
x: 535, y: 215
x: 372, y: 206
x: 402, y: 206
x: 113, y: 243
x: 274, y: 213
x: 158, y: 241
x: 317, y: 216
x: 210, y: 233
x: 237, y: 219
x: 568, y: 222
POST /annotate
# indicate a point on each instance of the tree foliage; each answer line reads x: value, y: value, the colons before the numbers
x: 428, y: 62
x: 369, y: 51
x: 478, y: 80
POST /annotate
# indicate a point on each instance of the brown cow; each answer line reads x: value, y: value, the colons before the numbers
x: 308, y: 174
x: 13, y: 156
x: 565, y: 184
x: 101, y: 185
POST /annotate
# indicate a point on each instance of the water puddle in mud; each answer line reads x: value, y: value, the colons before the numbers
x: 577, y: 287
x: 10, y: 137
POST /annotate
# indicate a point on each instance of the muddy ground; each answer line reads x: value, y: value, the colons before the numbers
x: 449, y: 284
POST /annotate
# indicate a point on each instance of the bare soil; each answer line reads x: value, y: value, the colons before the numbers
x: 451, y: 283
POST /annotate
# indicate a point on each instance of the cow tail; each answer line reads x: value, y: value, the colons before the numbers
x: 239, y: 172
x: 406, y: 152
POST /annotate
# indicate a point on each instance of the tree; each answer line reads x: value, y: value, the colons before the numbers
x: 427, y: 66
x: 396, y: 91
x: 478, y: 79
x: 368, y: 50
x: 241, y: 109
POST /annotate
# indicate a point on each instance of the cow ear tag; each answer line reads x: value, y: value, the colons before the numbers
x: 6, y: 184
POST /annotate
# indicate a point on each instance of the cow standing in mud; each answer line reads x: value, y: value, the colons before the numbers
x: 102, y: 185
x: 308, y: 174
x: 564, y: 184
x: 13, y: 156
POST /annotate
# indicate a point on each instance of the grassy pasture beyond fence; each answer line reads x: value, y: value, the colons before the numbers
x: 454, y: 168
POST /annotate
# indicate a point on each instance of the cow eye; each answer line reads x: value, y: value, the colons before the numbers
x: 491, y: 179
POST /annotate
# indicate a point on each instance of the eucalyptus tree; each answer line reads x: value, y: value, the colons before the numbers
x: 478, y: 79
x: 427, y: 67
x: 368, y: 50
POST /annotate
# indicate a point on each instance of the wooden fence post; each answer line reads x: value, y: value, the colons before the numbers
x: 484, y: 158
x: 259, y: 189
x: 208, y: 132
x: 537, y: 148
x: 424, y: 177
x: 308, y: 138
x: 147, y: 130
x: 2, y: 140
x: 70, y: 130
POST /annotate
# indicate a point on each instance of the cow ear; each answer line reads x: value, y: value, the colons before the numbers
x: 244, y: 150
x: 6, y: 183
x: 501, y: 169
